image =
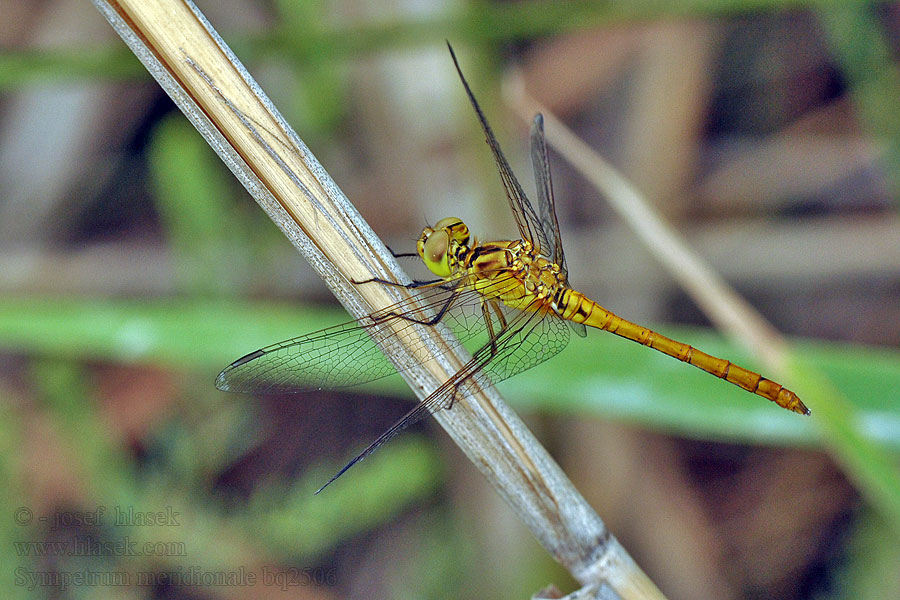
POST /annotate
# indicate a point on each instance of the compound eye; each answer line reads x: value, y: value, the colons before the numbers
x: 447, y: 222
x: 456, y: 228
x: 434, y: 253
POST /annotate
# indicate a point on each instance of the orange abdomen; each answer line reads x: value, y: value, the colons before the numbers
x: 581, y: 309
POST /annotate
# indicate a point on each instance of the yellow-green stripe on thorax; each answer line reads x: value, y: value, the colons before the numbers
x: 505, y: 270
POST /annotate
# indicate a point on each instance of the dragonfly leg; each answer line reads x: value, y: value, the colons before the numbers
x: 486, y: 315
x: 377, y: 318
x: 486, y: 307
x: 401, y: 254
x: 500, y: 316
x: 413, y: 285
x: 453, y: 398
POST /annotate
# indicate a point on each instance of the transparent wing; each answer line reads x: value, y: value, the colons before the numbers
x: 346, y: 354
x: 547, y: 205
x: 530, y: 338
x: 526, y: 219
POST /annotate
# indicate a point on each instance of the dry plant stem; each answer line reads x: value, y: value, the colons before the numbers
x: 220, y: 98
x: 724, y: 307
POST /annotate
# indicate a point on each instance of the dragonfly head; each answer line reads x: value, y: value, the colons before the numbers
x: 436, y: 243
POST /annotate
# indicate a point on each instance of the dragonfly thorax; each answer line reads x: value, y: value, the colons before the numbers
x: 440, y: 246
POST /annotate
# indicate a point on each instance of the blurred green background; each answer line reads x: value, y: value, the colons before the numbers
x: 133, y: 268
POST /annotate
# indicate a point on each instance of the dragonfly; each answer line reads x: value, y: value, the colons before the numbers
x: 508, y: 302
